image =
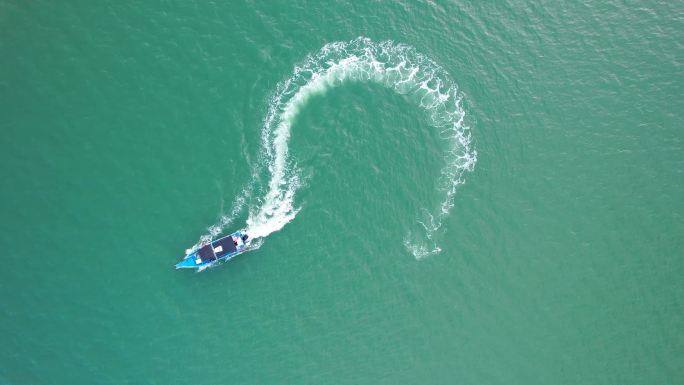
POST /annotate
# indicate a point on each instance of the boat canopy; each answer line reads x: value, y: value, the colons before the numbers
x: 224, y: 246
x: 207, y: 254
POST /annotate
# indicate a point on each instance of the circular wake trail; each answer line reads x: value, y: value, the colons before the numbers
x: 396, y: 66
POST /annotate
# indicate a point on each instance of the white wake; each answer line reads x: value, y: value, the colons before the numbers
x: 396, y: 66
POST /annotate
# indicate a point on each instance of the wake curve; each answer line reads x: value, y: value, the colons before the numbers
x: 396, y: 66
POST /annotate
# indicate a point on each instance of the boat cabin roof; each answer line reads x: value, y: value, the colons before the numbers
x: 217, y: 249
x: 224, y: 246
x: 206, y: 253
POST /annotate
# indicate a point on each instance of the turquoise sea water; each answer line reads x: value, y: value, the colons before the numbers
x: 129, y: 130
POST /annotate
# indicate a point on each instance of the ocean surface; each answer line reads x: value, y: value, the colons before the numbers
x: 440, y: 192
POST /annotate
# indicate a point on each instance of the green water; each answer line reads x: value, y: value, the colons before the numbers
x: 129, y: 129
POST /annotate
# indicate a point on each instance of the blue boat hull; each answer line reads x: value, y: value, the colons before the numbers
x: 222, y: 249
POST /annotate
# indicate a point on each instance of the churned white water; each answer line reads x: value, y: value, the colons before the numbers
x: 398, y: 67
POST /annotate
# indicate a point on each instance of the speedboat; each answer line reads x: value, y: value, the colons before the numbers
x: 222, y: 249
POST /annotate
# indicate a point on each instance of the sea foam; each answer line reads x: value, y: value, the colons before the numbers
x: 398, y: 67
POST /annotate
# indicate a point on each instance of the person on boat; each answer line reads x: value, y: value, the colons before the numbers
x: 239, y: 241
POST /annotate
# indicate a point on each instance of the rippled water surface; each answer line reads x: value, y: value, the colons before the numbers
x: 445, y: 193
